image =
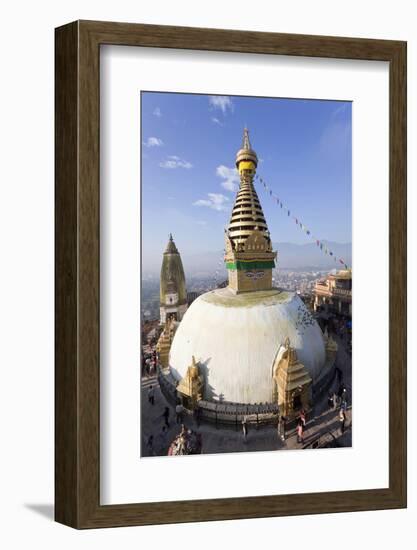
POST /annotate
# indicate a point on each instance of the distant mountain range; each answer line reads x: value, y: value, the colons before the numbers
x: 290, y: 256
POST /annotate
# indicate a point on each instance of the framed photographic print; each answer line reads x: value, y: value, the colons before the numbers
x: 230, y: 274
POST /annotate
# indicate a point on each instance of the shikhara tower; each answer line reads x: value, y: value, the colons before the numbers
x: 248, y: 249
x: 173, y: 292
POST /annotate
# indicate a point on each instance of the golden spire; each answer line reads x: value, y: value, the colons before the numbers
x: 247, y: 214
x: 249, y: 256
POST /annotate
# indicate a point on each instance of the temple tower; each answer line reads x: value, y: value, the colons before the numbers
x: 249, y: 256
x: 173, y: 293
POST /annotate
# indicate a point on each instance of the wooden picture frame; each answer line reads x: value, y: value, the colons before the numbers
x: 77, y: 406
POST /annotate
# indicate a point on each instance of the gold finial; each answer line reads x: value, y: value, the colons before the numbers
x: 246, y: 153
x: 246, y: 142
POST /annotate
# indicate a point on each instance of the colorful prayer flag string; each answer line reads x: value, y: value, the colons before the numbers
x: 279, y: 203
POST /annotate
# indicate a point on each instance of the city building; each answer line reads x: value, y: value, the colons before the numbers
x: 334, y: 293
x: 237, y: 339
x: 173, y: 292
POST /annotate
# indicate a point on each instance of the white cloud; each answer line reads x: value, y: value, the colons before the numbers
x: 230, y: 177
x: 153, y: 142
x: 173, y: 162
x: 215, y: 201
x: 216, y: 121
x: 157, y: 112
x: 222, y: 102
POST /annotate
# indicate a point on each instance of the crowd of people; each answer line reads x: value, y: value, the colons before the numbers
x: 149, y: 362
x: 338, y: 401
x: 187, y: 442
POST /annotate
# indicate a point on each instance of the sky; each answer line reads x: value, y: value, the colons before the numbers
x: 189, y: 181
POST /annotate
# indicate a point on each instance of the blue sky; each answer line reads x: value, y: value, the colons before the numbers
x: 189, y: 143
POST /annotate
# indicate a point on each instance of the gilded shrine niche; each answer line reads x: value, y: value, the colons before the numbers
x: 293, y: 383
x: 191, y: 386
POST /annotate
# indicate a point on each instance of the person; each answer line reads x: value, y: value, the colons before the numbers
x: 330, y: 401
x: 151, y: 395
x: 282, y: 427
x: 179, y: 410
x: 165, y: 414
x: 300, y: 430
x: 335, y: 400
x: 342, y: 418
x: 342, y: 388
x: 303, y: 418
x: 244, y: 427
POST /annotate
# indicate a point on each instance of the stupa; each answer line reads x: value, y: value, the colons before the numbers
x: 237, y: 335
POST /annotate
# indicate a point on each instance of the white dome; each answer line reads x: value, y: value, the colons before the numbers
x: 236, y: 338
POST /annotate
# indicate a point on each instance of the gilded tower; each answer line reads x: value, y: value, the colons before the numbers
x: 173, y: 293
x: 249, y: 256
